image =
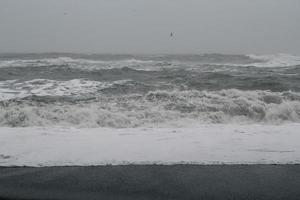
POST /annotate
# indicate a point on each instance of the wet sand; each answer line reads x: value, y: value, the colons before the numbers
x: 257, y: 182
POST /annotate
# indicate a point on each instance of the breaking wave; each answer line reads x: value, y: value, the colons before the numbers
x: 154, y: 108
x: 279, y: 60
x: 161, y: 90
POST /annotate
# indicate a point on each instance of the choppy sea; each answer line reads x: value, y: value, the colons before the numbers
x: 127, y: 91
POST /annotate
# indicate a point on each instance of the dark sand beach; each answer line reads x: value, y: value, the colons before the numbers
x: 259, y: 182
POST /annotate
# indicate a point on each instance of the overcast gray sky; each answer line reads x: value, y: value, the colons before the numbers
x: 144, y: 26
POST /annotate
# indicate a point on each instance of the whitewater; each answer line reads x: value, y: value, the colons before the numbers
x: 74, y: 109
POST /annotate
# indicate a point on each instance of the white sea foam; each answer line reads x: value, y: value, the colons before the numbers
x: 204, y: 144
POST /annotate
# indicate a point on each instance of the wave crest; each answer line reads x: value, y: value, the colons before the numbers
x: 162, y: 108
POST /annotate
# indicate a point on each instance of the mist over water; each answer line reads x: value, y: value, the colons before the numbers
x: 147, y: 90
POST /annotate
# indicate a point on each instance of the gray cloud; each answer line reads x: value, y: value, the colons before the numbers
x: 143, y: 26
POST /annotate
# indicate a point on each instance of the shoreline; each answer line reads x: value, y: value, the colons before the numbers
x: 207, y: 144
x: 259, y: 182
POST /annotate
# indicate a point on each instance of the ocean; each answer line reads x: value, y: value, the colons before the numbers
x: 127, y: 91
x: 76, y: 109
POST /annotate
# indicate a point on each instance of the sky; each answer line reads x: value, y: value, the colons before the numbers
x: 144, y: 26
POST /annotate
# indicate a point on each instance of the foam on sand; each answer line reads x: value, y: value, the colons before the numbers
x: 206, y: 144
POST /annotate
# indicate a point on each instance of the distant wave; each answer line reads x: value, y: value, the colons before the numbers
x: 156, y: 62
x: 279, y: 60
x: 84, y: 64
